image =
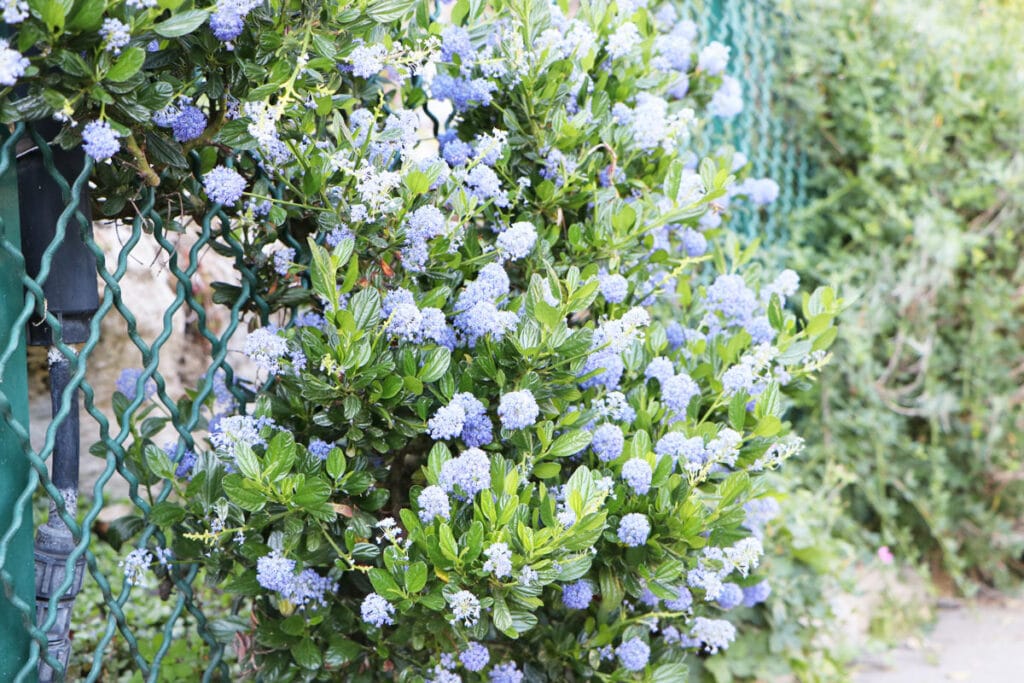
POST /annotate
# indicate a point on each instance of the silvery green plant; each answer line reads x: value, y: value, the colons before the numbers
x: 520, y: 380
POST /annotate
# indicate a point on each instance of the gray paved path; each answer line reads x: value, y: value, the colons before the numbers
x: 979, y: 643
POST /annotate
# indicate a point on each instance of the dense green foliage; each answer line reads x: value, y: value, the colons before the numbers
x: 914, y: 121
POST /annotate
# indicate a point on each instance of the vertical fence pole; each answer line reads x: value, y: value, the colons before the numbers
x: 14, y: 466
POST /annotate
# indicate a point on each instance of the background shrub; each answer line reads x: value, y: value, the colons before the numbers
x: 912, y: 116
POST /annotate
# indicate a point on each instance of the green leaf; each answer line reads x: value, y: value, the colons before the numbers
x: 503, y: 618
x: 245, y: 498
x: 181, y: 23
x: 341, y: 651
x: 384, y: 584
x: 248, y: 463
x: 435, y: 364
x: 416, y: 577
x: 87, y: 16
x: 280, y: 455
x: 158, y: 463
x: 323, y: 274
x: 570, y: 443
x: 166, y: 514
x: 312, y: 493
x: 127, y: 65
x: 670, y: 672
x: 365, y: 307
x: 336, y: 463
x: 447, y: 543
x: 738, y: 411
x: 307, y: 654
x: 730, y: 489
x: 547, y: 470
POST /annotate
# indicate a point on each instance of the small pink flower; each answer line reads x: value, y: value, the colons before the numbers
x: 885, y: 555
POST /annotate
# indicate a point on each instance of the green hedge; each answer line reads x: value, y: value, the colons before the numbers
x: 914, y: 120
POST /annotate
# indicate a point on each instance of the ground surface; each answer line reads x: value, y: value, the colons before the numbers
x: 976, y: 643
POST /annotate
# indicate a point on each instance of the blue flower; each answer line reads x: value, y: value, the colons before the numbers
x: 129, y: 378
x: 634, y: 529
x: 713, y: 58
x: 319, y: 448
x: 756, y: 594
x: 224, y: 185
x: 433, y: 503
x: 506, y: 673
x: 517, y: 241
x: 189, y: 124
x: 682, y: 602
x: 367, y: 60
x: 614, y: 288
x: 455, y: 41
x: 677, y: 392
x: 714, y: 634
x: 475, y: 657
x: 499, y: 560
x: 577, y: 595
x: 607, y: 442
x: 116, y: 34
x: 633, y: 654
x: 467, y: 474
x: 694, y: 243
x: 727, y: 101
x: 637, y: 473
x: 283, y: 259
x: 12, y: 62
x: 377, y: 611
x: 518, y: 409
x: 660, y: 368
x: 99, y: 140
x: 730, y: 596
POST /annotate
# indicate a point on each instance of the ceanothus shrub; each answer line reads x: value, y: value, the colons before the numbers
x: 517, y: 379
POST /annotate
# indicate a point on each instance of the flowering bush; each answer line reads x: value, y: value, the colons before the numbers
x: 522, y: 382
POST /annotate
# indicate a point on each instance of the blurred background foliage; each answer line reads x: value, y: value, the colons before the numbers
x: 913, y: 116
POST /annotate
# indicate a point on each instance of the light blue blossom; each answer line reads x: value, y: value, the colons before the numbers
x: 367, y: 60
x: 607, y: 442
x: 730, y: 596
x: 506, y: 673
x: 637, y: 473
x: 189, y: 124
x: 465, y: 608
x: 727, y: 101
x: 714, y: 634
x: 100, y: 140
x: 283, y: 260
x: 499, y: 560
x: 577, y: 595
x: 756, y: 594
x: 433, y: 503
x: 116, y: 34
x: 713, y: 58
x: 266, y: 349
x: 677, y: 392
x: 518, y: 409
x: 633, y: 654
x: 660, y: 368
x: 466, y: 475
x: 517, y: 241
x: 319, y: 449
x: 224, y: 185
x: 682, y: 602
x: 475, y: 657
x: 614, y: 288
x: 12, y: 62
x: 694, y: 243
x: 634, y: 529
x: 128, y: 379
x: 377, y: 611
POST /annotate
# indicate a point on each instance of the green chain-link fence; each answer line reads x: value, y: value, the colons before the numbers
x: 25, y: 629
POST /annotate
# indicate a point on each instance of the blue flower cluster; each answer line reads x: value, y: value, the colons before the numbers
x: 277, y: 573
x: 466, y: 475
x: 465, y: 417
x: 518, y: 409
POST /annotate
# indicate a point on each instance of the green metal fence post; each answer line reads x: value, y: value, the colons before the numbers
x: 14, y: 466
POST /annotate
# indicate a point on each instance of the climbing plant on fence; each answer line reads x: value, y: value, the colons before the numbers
x: 516, y: 380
